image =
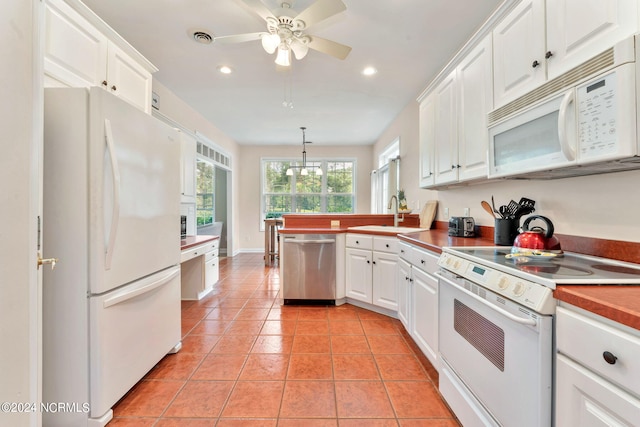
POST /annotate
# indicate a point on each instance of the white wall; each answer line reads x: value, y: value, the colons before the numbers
x: 251, y: 238
x: 405, y: 126
x: 20, y: 118
x: 601, y: 206
x: 177, y: 110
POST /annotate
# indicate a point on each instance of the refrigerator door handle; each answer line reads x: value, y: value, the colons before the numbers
x: 115, y: 173
x: 148, y: 287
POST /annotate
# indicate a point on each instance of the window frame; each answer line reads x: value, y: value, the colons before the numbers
x: 293, y: 190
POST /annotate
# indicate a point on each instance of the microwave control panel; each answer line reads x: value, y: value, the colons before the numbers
x: 597, y: 117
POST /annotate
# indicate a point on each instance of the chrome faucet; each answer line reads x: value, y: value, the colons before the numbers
x: 395, y: 211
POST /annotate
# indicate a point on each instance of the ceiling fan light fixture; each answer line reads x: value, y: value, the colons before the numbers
x: 270, y: 42
x: 300, y: 47
x: 284, y: 56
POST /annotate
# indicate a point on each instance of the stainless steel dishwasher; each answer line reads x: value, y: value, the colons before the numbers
x: 309, y: 268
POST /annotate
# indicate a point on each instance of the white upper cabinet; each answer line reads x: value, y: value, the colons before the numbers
x: 540, y: 40
x: 78, y: 53
x: 579, y: 29
x: 519, y: 48
x: 128, y: 79
x: 427, y: 119
x: 188, y: 148
x: 453, y: 121
x: 475, y: 84
x: 446, y: 132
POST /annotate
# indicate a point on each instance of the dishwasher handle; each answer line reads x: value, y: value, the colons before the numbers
x: 302, y: 242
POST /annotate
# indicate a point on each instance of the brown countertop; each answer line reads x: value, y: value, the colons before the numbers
x: 620, y: 303
x: 191, y: 241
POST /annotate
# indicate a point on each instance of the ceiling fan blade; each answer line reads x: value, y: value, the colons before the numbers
x: 319, y: 11
x: 259, y: 8
x: 329, y: 47
x: 238, y: 38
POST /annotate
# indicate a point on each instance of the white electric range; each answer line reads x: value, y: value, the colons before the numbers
x: 495, y: 325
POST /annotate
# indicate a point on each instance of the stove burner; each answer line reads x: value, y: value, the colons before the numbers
x: 616, y: 269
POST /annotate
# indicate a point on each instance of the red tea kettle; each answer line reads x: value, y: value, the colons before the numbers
x: 537, y: 238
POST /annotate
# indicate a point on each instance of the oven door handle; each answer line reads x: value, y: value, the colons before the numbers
x: 505, y: 313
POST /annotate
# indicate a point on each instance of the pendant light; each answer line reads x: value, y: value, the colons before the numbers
x: 304, y: 170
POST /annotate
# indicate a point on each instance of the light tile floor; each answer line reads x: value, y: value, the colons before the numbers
x: 247, y: 361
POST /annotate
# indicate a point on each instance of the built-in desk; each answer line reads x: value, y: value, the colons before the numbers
x: 199, y: 265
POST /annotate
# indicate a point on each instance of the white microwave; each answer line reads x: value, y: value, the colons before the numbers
x: 589, y: 126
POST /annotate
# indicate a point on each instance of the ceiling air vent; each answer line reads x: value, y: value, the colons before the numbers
x: 202, y: 37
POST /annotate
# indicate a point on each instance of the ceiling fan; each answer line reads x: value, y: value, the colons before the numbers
x: 286, y: 30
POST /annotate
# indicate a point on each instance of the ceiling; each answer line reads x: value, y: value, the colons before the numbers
x: 407, y: 41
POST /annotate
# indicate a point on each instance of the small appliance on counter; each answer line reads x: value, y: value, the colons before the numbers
x: 183, y: 227
x: 462, y: 226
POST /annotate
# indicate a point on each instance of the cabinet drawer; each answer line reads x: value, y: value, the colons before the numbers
x: 361, y: 241
x: 405, y: 252
x: 424, y: 260
x: 210, y: 255
x: 191, y: 253
x: 586, y: 340
x: 209, y: 246
x: 385, y: 244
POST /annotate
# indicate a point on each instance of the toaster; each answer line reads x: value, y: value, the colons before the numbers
x: 461, y: 226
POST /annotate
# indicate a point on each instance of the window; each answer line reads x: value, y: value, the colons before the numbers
x: 384, y: 181
x: 204, y: 194
x: 332, y: 192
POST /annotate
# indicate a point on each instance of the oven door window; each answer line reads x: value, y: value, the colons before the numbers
x: 484, y: 335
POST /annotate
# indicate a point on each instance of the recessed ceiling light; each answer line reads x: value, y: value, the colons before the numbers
x: 225, y: 69
x: 369, y: 71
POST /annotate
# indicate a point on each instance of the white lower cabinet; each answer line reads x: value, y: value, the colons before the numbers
x: 371, y: 270
x: 404, y: 290
x: 597, y: 371
x: 418, y: 298
x: 199, y: 270
x: 424, y: 311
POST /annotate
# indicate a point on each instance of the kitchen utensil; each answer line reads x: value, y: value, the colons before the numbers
x: 493, y: 205
x: 527, y: 202
x: 536, y: 237
x: 512, y: 207
x: 487, y: 207
x: 504, y: 211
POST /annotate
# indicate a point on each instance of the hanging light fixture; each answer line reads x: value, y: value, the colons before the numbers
x: 304, y: 169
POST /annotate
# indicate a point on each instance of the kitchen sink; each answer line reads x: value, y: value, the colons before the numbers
x: 387, y: 229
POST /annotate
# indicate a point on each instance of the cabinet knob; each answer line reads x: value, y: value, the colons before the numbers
x: 104, y: 83
x: 422, y: 261
x: 386, y: 244
x: 548, y: 55
x: 357, y: 242
x: 374, y: 263
x: 609, y: 357
x: 368, y: 262
x: 535, y: 63
x: 113, y: 88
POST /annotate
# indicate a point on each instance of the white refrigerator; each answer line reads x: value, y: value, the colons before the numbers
x: 111, y: 306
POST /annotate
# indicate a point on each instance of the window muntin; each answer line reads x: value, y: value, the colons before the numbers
x: 333, y: 191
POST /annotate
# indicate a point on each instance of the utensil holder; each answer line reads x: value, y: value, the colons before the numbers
x: 505, y: 231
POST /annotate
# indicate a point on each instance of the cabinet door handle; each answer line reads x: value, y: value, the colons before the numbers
x: 535, y: 63
x: 609, y: 357
x: 548, y: 55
